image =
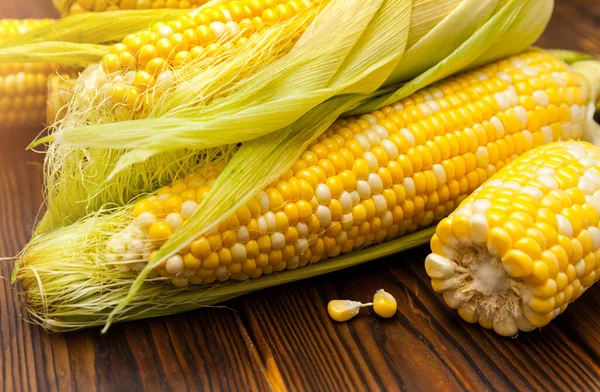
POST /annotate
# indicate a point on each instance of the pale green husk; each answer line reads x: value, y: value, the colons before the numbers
x: 54, y: 52
x: 71, y: 287
x: 85, y: 29
x: 261, y: 158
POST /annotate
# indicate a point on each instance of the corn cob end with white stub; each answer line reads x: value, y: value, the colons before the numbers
x: 524, y: 245
x: 366, y: 179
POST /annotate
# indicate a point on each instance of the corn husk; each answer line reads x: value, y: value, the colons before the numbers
x: 91, y: 296
x: 90, y: 28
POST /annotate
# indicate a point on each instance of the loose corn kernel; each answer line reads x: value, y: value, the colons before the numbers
x: 342, y: 310
x: 384, y: 304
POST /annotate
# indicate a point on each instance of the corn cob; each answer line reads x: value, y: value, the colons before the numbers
x: 524, y: 245
x: 23, y: 87
x: 72, y: 7
x: 367, y: 179
x: 149, y: 57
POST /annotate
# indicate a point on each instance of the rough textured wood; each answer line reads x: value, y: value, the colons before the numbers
x: 282, y: 338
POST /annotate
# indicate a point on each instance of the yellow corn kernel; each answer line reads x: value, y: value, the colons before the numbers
x: 384, y: 304
x: 344, y: 310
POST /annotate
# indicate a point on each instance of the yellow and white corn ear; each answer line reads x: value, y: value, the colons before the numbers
x: 23, y: 87
x: 368, y: 179
x: 526, y: 244
x: 72, y: 7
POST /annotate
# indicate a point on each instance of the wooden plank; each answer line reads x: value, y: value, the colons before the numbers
x: 312, y: 352
x: 574, y: 25
x: 202, y: 350
x: 27, y: 9
x: 282, y: 338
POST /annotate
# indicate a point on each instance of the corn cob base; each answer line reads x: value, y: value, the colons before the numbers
x: 525, y: 245
x: 368, y: 179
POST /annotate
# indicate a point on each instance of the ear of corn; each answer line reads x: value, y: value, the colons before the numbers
x: 526, y: 244
x: 371, y: 178
x: 23, y: 87
x: 72, y: 7
x: 275, y: 97
x: 366, y: 180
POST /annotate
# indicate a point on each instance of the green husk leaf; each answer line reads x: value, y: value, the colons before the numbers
x: 94, y: 27
x: 468, y: 54
x: 526, y: 28
x: 443, y: 38
x: 65, y: 53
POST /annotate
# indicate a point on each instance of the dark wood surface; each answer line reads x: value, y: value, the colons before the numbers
x: 282, y: 338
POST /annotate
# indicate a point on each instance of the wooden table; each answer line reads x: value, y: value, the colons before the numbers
x: 282, y: 338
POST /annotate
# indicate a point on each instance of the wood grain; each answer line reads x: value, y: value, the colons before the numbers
x: 282, y: 339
